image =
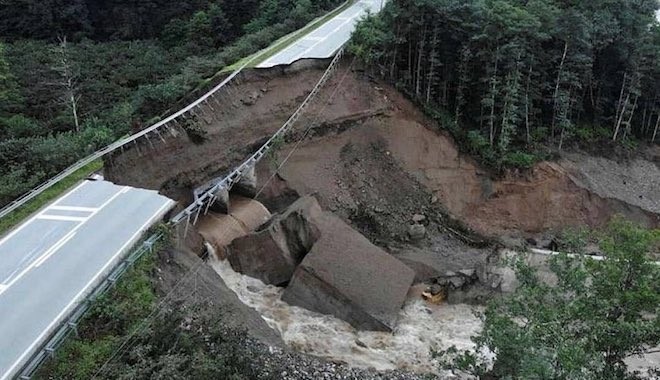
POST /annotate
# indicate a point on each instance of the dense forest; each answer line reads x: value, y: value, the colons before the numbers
x: 75, y: 75
x: 509, y: 76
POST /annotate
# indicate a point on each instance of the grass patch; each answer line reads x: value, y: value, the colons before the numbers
x: 114, y: 316
x: 287, y: 40
x: 21, y: 213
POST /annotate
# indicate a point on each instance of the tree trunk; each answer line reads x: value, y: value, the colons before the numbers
x: 627, y: 130
x: 620, y: 118
x: 410, y: 64
x: 431, y: 74
x: 655, y: 130
x: 420, y: 55
x: 74, y: 110
x: 493, y: 80
x: 618, y: 104
x: 556, y: 93
x: 646, y: 108
x: 68, y: 79
x: 529, y: 80
x: 394, y: 54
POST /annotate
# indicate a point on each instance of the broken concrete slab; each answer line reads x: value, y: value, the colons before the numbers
x: 250, y: 213
x: 263, y: 255
x: 247, y: 184
x: 345, y: 275
x: 273, y: 253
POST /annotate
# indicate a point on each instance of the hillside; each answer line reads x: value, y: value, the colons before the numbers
x: 75, y: 77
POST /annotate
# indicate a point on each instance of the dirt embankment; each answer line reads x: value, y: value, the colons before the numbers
x: 246, y: 113
x: 376, y: 160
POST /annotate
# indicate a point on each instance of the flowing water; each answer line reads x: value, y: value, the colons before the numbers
x: 421, y: 327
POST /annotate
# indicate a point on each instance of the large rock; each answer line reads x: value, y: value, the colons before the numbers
x: 263, y: 255
x: 426, y: 264
x: 299, y: 227
x: 346, y: 276
x: 273, y: 253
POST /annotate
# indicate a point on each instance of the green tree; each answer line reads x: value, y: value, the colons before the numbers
x: 200, y: 30
x: 522, y: 72
x: 583, y: 327
x: 8, y: 86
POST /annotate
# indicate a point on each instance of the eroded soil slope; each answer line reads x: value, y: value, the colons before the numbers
x: 375, y: 159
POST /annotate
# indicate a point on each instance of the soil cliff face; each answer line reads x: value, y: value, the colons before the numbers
x: 374, y: 158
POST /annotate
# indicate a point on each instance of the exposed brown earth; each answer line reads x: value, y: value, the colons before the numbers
x: 379, y: 165
x: 377, y: 160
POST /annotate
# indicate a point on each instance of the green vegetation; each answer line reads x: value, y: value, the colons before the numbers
x: 112, y: 318
x: 90, y: 73
x: 287, y: 40
x: 599, y: 313
x: 160, y: 340
x: 17, y: 216
x: 511, y: 78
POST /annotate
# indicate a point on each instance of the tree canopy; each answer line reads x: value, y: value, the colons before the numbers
x: 123, y: 64
x: 597, y: 314
x: 505, y: 75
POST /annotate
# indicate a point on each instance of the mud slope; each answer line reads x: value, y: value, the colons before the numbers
x: 253, y: 107
x: 377, y: 160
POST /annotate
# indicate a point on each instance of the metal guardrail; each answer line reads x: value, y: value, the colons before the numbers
x: 118, y: 144
x: 205, y: 197
x: 71, y: 323
x: 18, y: 202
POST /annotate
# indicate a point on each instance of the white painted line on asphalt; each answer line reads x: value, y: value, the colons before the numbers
x: 309, y: 36
x: 65, y: 196
x: 91, y: 282
x: 26, y: 223
x: 2, y: 288
x: 55, y: 247
x: 346, y: 21
x: 63, y: 218
x: 73, y: 208
x: 39, y: 260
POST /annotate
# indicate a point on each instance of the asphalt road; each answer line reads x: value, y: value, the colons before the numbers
x: 325, y: 40
x: 52, y: 261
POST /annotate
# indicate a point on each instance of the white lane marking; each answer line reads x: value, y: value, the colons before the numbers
x: 55, y: 247
x: 77, y: 299
x: 37, y: 262
x: 65, y: 196
x: 319, y: 39
x: 2, y: 288
x: 25, y: 224
x: 342, y: 25
x: 63, y: 218
x: 73, y: 208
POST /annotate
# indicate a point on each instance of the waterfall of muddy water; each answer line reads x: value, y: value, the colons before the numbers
x: 421, y: 327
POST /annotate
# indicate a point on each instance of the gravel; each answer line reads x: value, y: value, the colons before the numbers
x: 636, y: 182
x: 284, y: 364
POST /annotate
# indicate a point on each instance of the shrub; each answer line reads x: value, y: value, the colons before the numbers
x: 18, y: 126
x: 519, y: 159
